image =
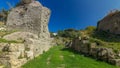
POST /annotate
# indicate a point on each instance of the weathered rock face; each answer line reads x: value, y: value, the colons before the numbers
x: 30, y: 17
x: 111, y: 23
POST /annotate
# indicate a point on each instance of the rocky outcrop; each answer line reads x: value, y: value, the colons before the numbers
x: 111, y: 23
x: 31, y: 17
x: 85, y: 47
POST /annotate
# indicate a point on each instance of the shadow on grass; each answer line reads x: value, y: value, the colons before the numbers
x: 105, y: 36
x: 71, y: 50
x: 82, y: 54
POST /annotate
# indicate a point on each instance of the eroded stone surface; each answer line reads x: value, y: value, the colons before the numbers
x: 32, y: 17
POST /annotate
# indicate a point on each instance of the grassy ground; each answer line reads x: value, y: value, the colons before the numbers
x: 57, y: 57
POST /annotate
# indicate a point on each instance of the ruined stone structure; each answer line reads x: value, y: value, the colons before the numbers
x: 111, y: 23
x: 16, y: 54
x: 92, y: 49
x: 32, y: 36
x: 31, y: 17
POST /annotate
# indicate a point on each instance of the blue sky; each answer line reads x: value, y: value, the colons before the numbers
x: 76, y: 14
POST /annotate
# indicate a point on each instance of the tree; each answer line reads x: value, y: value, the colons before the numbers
x: 3, y: 15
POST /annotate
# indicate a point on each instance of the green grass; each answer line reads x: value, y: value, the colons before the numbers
x: 11, y: 41
x: 6, y: 32
x: 57, y: 57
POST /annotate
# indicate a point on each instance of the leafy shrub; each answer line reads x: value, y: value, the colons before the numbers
x: 3, y: 15
x: 98, y: 42
x: 69, y: 33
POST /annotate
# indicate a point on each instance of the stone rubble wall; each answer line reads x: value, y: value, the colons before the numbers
x: 85, y: 47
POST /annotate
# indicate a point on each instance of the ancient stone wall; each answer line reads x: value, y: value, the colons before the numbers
x: 85, y: 47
